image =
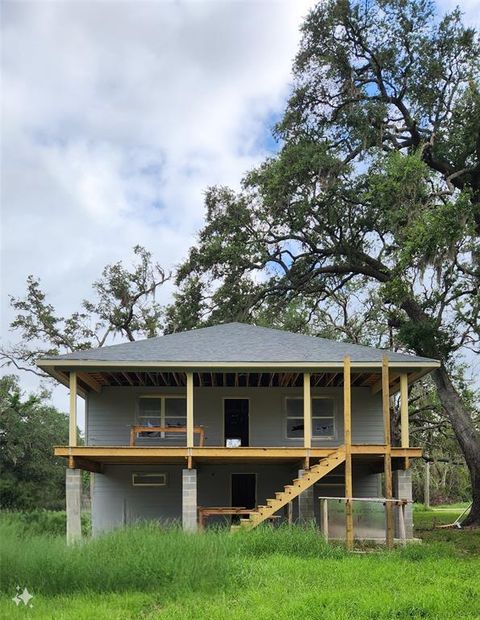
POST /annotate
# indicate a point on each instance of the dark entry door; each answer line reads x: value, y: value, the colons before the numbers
x: 236, y: 419
x: 244, y: 490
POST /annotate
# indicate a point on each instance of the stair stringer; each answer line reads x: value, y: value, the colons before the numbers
x: 291, y: 491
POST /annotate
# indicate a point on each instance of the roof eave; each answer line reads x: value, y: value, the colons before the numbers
x: 46, y: 364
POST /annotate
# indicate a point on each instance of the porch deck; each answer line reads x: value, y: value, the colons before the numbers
x: 92, y: 458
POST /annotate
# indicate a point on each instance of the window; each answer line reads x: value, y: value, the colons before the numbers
x: 323, y: 418
x: 142, y: 479
x: 169, y: 411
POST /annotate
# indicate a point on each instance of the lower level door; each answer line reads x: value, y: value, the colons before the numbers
x: 244, y: 490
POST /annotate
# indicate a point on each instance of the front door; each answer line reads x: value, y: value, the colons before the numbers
x: 244, y: 490
x: 236, y: 419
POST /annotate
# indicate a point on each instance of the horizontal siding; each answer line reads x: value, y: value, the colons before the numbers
x: 116, y: 502
x: 367, y: 419
x: 111, y: 413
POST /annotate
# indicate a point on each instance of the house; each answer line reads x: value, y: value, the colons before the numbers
x: 238, y: 419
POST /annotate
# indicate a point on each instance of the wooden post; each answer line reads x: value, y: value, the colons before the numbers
x: 404, y: 410
x: 72, y: 436
x: 347, y: 423
x: 405, y: 441
x: 324, y: 511
x: 426, y: 485
x: 190, y: 433
x: 307, y: 412
x: 401, y: 523
x: 388, y: 452
x: 290, y: 513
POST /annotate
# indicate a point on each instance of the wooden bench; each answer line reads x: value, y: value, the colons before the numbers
x: 198, y: 430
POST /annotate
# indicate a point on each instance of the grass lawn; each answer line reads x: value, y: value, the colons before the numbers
x: 426, y: 522
x: 148, y: 573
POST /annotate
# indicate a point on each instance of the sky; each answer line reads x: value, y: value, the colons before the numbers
x: 115, y: 117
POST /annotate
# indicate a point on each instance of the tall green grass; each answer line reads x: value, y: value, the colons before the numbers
x: 147, y: 557
x: 148, y: 571
x: 42, y: 522
x: 142, y: 558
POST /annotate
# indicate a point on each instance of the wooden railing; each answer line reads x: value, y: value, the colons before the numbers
x: 198, y: 430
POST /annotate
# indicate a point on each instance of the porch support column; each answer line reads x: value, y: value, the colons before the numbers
x: 347, y: 429
x: 190, y: 434
x: 405, y: 441
x: 305, y: 500
x: 72, y: 438
x: 307, y: 412
x: 388, y: 452
x: 73, y: 495
x: 189, y: 500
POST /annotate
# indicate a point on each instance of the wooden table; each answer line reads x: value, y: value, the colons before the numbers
x: 198, y: 430
x: 204, y: 512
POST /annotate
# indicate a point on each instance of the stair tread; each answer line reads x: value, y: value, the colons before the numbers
x: 290, y: 491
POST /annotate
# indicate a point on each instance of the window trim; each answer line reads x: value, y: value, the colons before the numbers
x: 146, y: 474
x: 314, y: 437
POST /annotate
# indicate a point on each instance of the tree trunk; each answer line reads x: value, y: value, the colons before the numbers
x: 462, y: 423
x: 466, y: 434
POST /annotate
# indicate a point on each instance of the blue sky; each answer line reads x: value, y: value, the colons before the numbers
x: 115, y: 118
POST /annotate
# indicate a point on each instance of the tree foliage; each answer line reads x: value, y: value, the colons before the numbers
x: 30, y: 475
x: 123, y: 303
x: 375, y: 192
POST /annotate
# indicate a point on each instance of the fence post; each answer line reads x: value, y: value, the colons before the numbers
x: 401, y: 524
x: 426, y: 485
x: 324, y: 511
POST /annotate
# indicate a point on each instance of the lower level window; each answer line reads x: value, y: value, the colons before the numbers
x: 323, y: 418
x: 142, y: 479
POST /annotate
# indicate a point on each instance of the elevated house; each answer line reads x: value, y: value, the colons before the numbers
x: 240, y: 422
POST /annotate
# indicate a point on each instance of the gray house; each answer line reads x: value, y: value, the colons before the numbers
x: 240, y: 423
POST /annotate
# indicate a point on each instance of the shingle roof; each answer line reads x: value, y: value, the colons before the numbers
x: 237, y: 342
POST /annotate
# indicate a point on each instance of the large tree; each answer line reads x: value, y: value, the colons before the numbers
x: 31, y: 476
x: 375, y: 189
x: 122, y: 303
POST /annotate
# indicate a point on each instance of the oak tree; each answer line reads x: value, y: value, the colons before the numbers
x: 376, y: 186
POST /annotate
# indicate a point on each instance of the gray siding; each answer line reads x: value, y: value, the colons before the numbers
x: 116, y: 502
x: 110, y: 414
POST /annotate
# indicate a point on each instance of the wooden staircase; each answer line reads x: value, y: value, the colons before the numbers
x: 290, y: 491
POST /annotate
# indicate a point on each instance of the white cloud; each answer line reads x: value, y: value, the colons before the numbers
x: 115, y: 118
x: 116, y: 115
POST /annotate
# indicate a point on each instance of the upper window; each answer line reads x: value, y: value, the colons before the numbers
x: 323, y: 418
x: 167, y: 411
